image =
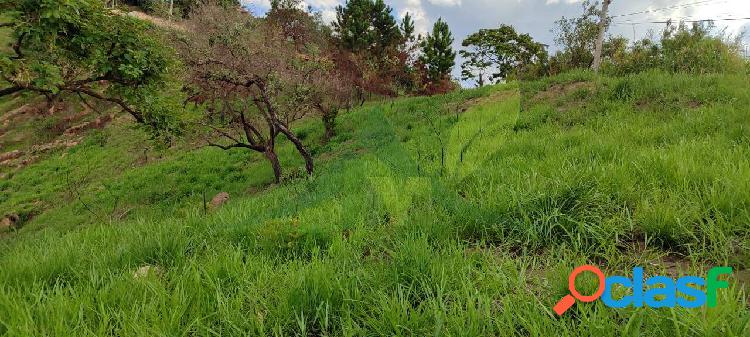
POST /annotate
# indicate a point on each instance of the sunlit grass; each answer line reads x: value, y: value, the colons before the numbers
x: 456, y: 215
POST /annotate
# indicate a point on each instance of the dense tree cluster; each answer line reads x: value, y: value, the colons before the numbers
x: 244, y: 80
x: 390, y: 57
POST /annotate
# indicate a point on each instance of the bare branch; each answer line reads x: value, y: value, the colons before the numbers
x: 10, y: 91
x: 137, y: 115
x: 233, y: 146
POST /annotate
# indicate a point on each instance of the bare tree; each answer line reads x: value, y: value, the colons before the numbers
x: 247, y: 74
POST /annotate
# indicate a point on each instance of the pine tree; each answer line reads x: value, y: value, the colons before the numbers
x: 437, y: 52
x: 366, y: 25
x: 407, y: 28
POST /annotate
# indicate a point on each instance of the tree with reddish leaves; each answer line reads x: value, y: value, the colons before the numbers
x: 246, y: 74
x: 331, y: 88
x: 330, y: 77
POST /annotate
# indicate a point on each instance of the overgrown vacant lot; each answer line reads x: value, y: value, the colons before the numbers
x: 456, y: 215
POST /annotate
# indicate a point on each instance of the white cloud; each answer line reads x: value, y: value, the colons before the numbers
x: 553, y: 2
x: 324, y: 3
x: 418, y: 14
x: 445, y: 3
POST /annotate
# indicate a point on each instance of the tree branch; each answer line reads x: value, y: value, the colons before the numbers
x: 249, y: 130
x: 237, y: 145
x: 17, y: 47
x: 10, y: 91
x: 223, y: 133
x: 137, y: 115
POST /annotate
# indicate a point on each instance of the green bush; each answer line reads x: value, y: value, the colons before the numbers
x: 682, y: 49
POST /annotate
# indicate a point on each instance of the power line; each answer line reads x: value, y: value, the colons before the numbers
x: 704, y: 2
x: 679, y: 20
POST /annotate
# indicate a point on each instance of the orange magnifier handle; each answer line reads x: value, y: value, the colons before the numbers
x: 564, y: 304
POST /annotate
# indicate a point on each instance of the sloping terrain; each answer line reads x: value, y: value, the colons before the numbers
x: 456, y: 215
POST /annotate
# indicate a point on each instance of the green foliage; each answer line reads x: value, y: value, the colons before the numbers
x: 366, y: 25
x: 379, y: 243
x: 438, y: 56
x: 682, y: 49
x: 576, y: 37
x: 80, y: 47
x: 407, y: 28
x: 491, y: 55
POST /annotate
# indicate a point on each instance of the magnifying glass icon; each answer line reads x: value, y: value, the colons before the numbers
x: 566, y: 302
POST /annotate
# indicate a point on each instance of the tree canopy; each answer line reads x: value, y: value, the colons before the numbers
x: 577, y: 36
x: 494, y: 54
x: 366, y: 25
x: 438, y: 56
x: 78, y: 47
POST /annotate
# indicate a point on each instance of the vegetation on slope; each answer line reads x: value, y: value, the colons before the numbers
x: 459, y: 215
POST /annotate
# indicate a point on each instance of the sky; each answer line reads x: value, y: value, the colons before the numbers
x: 537, y: 17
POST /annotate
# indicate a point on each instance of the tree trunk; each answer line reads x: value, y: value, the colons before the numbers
x: 600, y: 38
x: 274, y: 159
x: 329, y: 121
x: 309, y: 166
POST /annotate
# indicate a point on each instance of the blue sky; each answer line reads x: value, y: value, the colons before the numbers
x: 537, y: 17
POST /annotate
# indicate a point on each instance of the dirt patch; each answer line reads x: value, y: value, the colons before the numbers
x: 693, y: 104
x: 7, y: 118
x: 163, y: 23
x: 10, y: 156
x: 493, y: 97
x: 9, y: 222
x: 219, y: 200
x: 147, y: 271
x: 98, y: 123
x: 18, y: 159
x: 55, y: 145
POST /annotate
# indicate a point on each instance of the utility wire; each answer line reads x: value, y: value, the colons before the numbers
x: 704, y: 2
x: 678, y: 20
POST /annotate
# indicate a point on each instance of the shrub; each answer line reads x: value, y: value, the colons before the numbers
x: 682, y: 49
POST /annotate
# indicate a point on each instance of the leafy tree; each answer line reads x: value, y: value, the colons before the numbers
x: 247, y: 74
x: 295, y: 23
x: 438, y: 56
x: 408, y: 54
x: 328, y: 87
x: 366, y: 25
x: 78, y: 47
x: 368, y: 30
x: 478, y: 60
x: 494, y: 54
x: 328, y: 81
x: 577, y: 37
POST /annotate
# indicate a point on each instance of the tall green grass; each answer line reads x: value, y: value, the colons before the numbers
x: 455, y: 215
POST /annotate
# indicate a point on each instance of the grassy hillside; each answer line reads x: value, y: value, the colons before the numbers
x: 457, y: 215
